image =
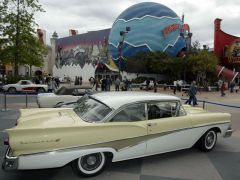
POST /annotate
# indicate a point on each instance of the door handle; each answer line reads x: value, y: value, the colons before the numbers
x: 151, y: 124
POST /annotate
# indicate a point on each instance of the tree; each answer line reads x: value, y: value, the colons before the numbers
x: 155, y: 63
x: 202, y: 65
x: 18, y: 28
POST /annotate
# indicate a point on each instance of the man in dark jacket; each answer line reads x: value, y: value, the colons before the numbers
x: 192, y: 91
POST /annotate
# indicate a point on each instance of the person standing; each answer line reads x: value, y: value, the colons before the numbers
x: 223, y: 88
x: 155, y: 86
x: 96, y: 84
x: 117, y: 84
x: 192, y: 94
x: 236, y: 88
x: 147, y: 84
x: 174, y: 87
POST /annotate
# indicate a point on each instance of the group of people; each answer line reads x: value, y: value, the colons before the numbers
x: 52, y: 82
x: 78, y: 80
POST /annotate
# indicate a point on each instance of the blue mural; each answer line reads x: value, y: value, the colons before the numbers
x: 153, y: 27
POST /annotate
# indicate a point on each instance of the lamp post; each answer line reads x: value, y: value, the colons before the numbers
x: 59, y: 58
x: 120, y: 46
x: 186, y: 35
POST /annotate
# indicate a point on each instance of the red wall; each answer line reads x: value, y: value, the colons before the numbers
x: 221, y: 39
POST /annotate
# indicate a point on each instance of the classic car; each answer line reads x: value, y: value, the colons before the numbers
x: 62, y: 95
x: 143, y: 86
x: 25, y: 85
x: 109, y: 127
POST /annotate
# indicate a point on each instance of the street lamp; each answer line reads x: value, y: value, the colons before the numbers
x: 120, y: 46
x: 186, y: 35
x: 59, y: 58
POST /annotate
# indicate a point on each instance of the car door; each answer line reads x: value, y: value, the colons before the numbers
x: 168, y: 127
x: 129, y: 124
x: 26, y: 86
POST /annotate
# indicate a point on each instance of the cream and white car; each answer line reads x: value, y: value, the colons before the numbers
x: 64, y: 94
x: 110, y: 127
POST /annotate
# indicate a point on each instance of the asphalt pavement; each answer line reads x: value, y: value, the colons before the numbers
x: 221, y: 163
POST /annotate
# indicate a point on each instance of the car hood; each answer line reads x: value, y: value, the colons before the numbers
x: 46, y: 118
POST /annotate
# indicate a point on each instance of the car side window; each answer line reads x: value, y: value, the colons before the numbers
x: 162, y: 110
x: 24, y: 83
x: 131, y: 113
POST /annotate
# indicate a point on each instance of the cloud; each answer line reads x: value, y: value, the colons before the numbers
x: 88, y: 15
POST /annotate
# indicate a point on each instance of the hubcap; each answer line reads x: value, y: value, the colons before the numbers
x: 210, y: 139
x: 91, y: 162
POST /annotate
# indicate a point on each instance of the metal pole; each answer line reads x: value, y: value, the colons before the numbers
x: 203, y: 104
x: 26, y: 99
x: 5, y: 101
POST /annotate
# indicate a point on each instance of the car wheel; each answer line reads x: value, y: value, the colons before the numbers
x: 40, y: 90
x: 12, y: 89
x: 207, y: 141
x: 89, y: 165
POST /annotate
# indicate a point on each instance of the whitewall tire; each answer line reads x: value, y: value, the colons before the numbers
x: 207, y: 141
x: 90, y: 165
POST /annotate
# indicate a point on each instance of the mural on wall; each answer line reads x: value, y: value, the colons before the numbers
x: 81, y: 54
x: 232, y: 52
x: 89, y: 48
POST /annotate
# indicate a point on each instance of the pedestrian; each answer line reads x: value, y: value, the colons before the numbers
x: 236, y: 88
x: 192, y: 91
x: 223, y: 88
x: 80, y: 80
x: 51, y: 85
x: 232, y: 85
x: 147, y: 84
x: 96, y: 84
x: 108, y: 84
x: 155, y: 86
x: 117, y: 84
x: 174, y: 87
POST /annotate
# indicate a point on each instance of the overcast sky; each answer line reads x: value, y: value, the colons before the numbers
x: 89, y: 15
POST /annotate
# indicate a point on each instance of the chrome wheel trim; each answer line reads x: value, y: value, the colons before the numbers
x: 92, y: 163
x: 210, y: 139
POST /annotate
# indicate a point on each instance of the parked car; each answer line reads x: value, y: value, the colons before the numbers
x: 25, y: 85
x: 62, y: 95
x: 109, y: 127
x: 143, y: 86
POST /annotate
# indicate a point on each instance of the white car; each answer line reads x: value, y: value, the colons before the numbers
x: 143, y: 86
x: 62, y: 95
x: 25, y: 85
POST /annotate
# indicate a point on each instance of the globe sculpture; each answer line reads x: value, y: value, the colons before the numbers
x: 145, y: 27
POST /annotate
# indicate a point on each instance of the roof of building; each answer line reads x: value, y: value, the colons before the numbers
x: 85, y: 38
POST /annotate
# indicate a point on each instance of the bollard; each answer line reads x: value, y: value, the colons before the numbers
x: 5, y: 101
x: 203, y: 104
x: 26, y: 99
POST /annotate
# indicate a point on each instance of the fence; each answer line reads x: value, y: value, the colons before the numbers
x: 25, y: 99
x: 214, y: 103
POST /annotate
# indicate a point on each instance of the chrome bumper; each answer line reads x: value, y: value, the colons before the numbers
x: 10, y: 162
x: 228, y: 133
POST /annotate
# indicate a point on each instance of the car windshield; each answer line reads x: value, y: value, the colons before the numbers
x: 64, y: 91
x: 91, y: 110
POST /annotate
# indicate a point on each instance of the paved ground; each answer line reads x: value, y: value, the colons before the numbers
x: 222, y: 163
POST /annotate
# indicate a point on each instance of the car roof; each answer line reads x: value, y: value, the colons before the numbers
x: 118, y: 99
